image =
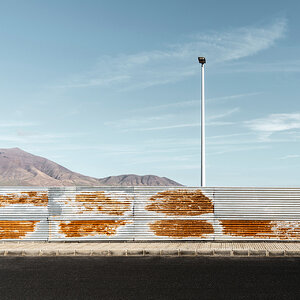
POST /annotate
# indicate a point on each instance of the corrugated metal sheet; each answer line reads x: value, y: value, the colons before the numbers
x: 79, y: 213
x: 257, y: 213
x: 173, y: 213
x: 23, y: 213
x: 149, y: 213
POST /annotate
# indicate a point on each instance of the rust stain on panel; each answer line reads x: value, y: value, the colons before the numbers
x: 35, y: 198
x: 16, y: 229
x: 286, y: 230
x: 103, y: 203
x: 181, y: 203
x: 182, y: 228
x: 262, y: 228
x: 90, y: 227
x: 247, y: 228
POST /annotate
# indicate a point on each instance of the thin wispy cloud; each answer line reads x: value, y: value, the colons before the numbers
x: 184, y: 104
x: 178, y: 167
x: 193, y: 103
x: 285, y: 66
x: 163, y: 159
x: 274, y: 123
x: 172, y: 142
x: 245, y: 41
x: 138, y: 121
x: 157, y: 67
x: 10, y: 138
x: 163, y: 122
x: 249, y: 141
x: 223, y: 115
x: 16, y: 124
x: 226, y: 136
x: 184, y: 125
x: 213, y: 120
x: 290, y: 156
x: 224, y: 150
x: 232, y: 97
x: 176, y: 126
x: 219, y: 123
x: 158, y: 148
x: 23, y: 137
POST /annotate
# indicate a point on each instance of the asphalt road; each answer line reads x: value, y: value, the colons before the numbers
x: 149, y: 278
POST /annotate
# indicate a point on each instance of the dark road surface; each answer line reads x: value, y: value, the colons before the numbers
x: 149, y: 278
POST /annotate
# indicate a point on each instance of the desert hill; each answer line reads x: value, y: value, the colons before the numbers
x: 21, y: 168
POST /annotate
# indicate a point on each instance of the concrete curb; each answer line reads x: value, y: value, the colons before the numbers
x: 151, y: 252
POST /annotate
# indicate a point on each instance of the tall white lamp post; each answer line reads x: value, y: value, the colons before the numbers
x: 202, y: 61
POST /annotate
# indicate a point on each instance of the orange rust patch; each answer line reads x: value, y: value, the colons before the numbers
x: 262, y: 228
x: 286, y: 230
x: 35, y: 198
x: 16, y: 229
x: 90, y: 227
x: 103, y: 203
x: 182, y: 228
x: 247, y: 228
x: 181, y: 203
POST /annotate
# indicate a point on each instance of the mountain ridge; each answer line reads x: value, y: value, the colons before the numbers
x: 21, y: 168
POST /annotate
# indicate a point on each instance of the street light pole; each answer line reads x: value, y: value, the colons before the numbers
x: 202, y: 61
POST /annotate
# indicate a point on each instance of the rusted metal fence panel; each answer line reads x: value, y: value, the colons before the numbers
x: 257, y: 213
x: 23, y: 213
x: 91, y: 213
x: 131, y: 213
x: 173, y: 213
x: 149, y: 213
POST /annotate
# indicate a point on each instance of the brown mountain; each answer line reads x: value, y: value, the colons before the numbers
x: 18, y: 167
x: 131, y: 179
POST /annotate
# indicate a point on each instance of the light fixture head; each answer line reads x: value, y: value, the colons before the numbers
x: 202, y: 60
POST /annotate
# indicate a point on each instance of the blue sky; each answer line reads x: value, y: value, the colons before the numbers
x: 112, y: 87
